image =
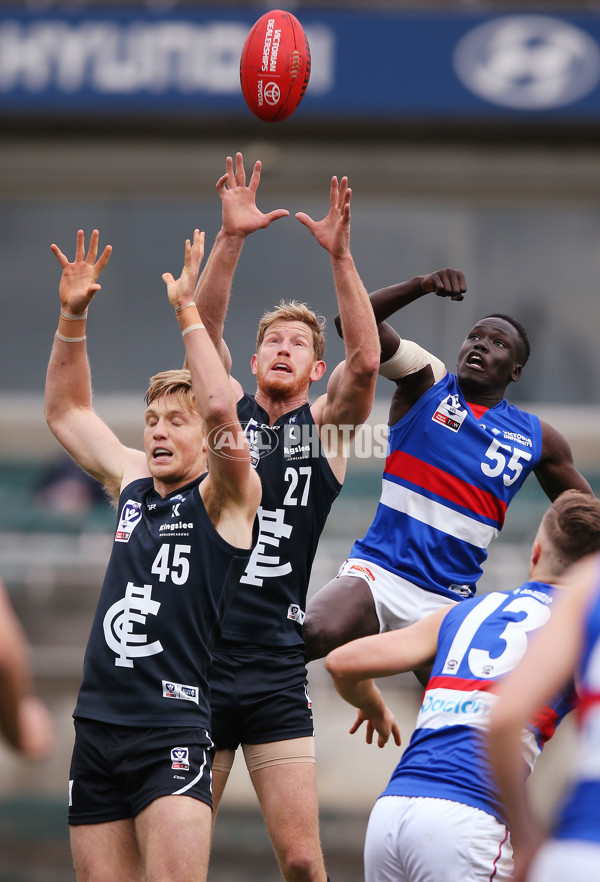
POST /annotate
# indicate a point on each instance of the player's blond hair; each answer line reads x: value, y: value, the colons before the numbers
x: 294, y: 311
x: 572, y: 523
x: 174, y: 382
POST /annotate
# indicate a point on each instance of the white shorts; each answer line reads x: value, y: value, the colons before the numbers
x: 419, y: 839
x: 560, y: 859
x: 398, y: 602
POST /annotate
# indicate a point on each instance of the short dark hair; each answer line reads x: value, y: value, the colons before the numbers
x: 519, y: 328
x: 572, y: 523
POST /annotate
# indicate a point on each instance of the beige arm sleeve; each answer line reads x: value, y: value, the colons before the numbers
x: 408, y: 359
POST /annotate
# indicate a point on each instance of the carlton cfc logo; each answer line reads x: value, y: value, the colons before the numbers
x: 272, y: 94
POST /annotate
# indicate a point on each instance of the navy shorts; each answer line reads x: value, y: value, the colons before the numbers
x: 116, y: 771
x: 258, y: 695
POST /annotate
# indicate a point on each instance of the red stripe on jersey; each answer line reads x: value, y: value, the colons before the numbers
x: 409, y: 468
x: 460, y: 684
x: 545, y: 721
x: 585, y: 703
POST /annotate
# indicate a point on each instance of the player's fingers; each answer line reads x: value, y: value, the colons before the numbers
x: 93, y: 249
x: 62, y: 258
x: 198, y: 247
x: 240, y: 171
x: 103, y: 259
x: 229, y: 171
x: 222, y: 182
x: 255, y: 179
x: 460, y: 285
x: 305, y: 219
x: 276, y: 214
x: 80, y: 250
x: 333, y: 192
x: 344, y: 192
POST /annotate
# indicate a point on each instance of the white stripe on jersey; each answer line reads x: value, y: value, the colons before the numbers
x: 436, y: 515
x: 442, y: 708
x: 455, y: 707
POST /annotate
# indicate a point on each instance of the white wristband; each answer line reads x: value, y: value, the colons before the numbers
x: 72, y: 316
x: 70, y: 339
x: 179, y: 309
x: 195, y: 327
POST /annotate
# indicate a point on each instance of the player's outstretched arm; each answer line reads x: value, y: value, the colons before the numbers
x: 68, y: 397
x: 556, y: 470
x: 351, y: 388
x: 240, y: 217
x: 387, y: 301
x: 354, y: 665
x: 25, y: 722
x: 232, y: 489
x: 541, y: 674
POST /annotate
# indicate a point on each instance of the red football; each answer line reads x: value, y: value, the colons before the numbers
x: 275, y: 66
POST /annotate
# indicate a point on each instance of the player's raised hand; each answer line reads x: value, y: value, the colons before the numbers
x: 181, y: 291
x: 333, y: 232
x: 383, y: 722
x: 445, y: 283
x: 37, y: 732
x: 79, y: 281
x: 240, y: 213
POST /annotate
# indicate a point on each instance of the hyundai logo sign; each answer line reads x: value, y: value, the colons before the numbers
x: 528, y: 62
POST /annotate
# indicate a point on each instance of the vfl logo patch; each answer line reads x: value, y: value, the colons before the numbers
x: 450, y: 413
x: 179, y: 691
x: 295, y: 613
x: 180, y: 758
x: 131, y: 515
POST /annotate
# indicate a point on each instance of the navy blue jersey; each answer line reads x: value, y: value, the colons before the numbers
x: 298, y: 489
x: 168, y: 582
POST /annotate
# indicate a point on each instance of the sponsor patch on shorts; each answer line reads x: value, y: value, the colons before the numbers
x: 354, y: 570
x: 180, y: 758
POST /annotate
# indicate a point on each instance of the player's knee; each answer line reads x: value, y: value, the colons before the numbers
x: 302, y: 863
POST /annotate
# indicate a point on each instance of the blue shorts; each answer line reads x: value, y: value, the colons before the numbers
x: 258, y: 695
x: 116, y: 771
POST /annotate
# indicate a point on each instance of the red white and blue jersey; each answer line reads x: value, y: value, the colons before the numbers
x: 580, y: 816
x: 448, y: 480
x: 480, y: 641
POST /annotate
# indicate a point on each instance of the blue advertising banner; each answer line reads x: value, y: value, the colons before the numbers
x: 379, y: 65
